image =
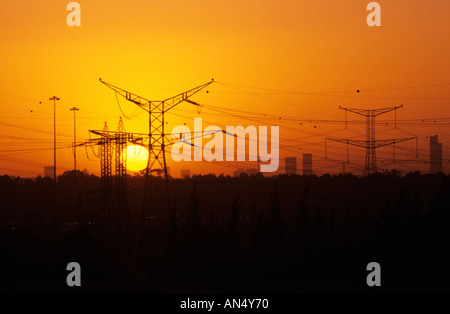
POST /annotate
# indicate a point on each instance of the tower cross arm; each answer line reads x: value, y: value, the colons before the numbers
x: 362, y: 112
x: 381, y: 111
x: 359, y: 143
x: 381, y: 143
x: 175, y: 100
x: 138, y: 100
x: 367, y: 112
x: 155, y: 105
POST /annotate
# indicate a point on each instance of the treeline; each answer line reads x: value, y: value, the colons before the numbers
x: 250, y: 234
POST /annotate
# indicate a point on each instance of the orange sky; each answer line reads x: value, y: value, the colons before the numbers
x: 256, y: 48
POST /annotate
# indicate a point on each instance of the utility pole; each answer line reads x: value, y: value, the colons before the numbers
x: 74, y: 109
x: 54, y: 98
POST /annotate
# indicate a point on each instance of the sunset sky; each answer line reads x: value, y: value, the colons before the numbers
x: 290, y: 63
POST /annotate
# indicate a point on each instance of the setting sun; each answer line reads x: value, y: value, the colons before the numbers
x: 137, y: 157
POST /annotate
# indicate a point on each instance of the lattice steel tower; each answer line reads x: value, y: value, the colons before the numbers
x: 370, y: 144
x: 113, y: 199
x: 158, y: 140
x: 105, y: 151
x: 121, y: 139
x: 156, y: 110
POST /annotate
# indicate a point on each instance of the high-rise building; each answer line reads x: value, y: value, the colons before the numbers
x: 185, y: 174
x: 435, y: 155
x: 48, y: 171
x: 290, y: 165
x: 307, y: 164
x: 252, y: 171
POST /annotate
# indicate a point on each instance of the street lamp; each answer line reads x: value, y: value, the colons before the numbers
x: 74, y: 109
x: 54, y: 98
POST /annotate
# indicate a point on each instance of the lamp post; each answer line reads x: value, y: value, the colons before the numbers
x: 77, y: 197
x: 54, y: 98
x: 74, y: 109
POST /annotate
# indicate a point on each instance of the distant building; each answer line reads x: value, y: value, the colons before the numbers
x: 307, y: 164
x: 238, y: 172
x: 435, y: 155
x: 185, y: 174
x: 290, y: 165
x: 48, y: 171
x: 252, y: 171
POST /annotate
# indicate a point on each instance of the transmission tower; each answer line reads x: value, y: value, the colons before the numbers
x: 370, y: 144
x: 106, y: 198
x: 113, y: 199
x: 121, y: 139
x: 156, y: 110
x: 157, y: 138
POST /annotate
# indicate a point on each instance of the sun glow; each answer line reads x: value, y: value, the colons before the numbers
x: 137, y: 157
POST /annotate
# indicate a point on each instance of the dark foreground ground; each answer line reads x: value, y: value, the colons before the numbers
x: 231, y: 235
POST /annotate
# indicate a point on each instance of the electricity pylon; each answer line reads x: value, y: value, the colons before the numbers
x: 105, y: 151
x: 158, y: 139
x: 121, y: 139
x: 156, y: 110
x: 113, y: 180
x: 370, y: 144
